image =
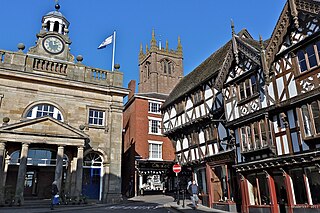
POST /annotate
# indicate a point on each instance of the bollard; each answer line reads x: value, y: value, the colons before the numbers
x: 183, y: 198
x: 178, y: 196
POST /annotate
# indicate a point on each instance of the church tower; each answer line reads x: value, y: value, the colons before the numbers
x: 160, y: 68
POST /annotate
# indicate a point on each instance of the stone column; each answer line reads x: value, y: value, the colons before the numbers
x: 79, y: 171
x: 19, y: 200
x: 67, y: 184
x: 73, y: 177
x: 2, y: 153
x: 59, y: 167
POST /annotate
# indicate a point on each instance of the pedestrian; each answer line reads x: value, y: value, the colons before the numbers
x: 54, y: 195
x: 194, y: 191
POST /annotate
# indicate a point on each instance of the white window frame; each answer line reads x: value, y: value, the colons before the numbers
x: 159, y: 144
x: 159, y: 126
x: 34, y: 110
x: 158, y: 107
x: 103, y: 117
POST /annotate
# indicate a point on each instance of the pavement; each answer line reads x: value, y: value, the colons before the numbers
x: 42, y: 206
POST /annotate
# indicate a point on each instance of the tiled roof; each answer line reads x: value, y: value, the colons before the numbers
x: 203, y: 72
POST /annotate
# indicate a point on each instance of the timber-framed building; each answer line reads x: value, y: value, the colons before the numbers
x: 270, y: 113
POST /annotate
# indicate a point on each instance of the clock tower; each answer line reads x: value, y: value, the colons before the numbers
x: 53, y: 40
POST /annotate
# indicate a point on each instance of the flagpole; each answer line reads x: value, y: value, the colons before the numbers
x: 113, y: 49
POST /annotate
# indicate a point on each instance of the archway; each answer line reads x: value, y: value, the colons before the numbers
x: 92, y: 175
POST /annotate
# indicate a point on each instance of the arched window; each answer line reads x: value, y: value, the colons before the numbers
x: 41, y: 110
x: 92, y: 159
x: 167, y: 66
x: 56, y: 26
x: 48, y: 25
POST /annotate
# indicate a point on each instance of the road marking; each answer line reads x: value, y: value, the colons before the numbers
x: 133, y: 207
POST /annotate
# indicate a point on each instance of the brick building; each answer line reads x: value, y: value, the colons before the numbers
x: 148, y: 156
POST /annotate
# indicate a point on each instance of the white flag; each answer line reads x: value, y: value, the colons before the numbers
x: 106, y: 42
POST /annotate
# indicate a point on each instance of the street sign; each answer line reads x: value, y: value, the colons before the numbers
x: 176, y: 168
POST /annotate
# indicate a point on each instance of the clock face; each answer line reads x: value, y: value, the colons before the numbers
x: 53, y: 45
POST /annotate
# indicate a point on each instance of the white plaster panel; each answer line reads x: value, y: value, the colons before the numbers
x: 292, y: 88
x: 197, y: 110
x: 281, y: 88
x: 285, y: 144
x: 201, y: 137
x: 185, y: 143
x: 193, y: 157
x: 202, y: 109
x: 278, y: 142
x: 203, y: 149
x: 178, y: 146
x: 215, y: 146
x: 208, y: 93
x: 211, y: 152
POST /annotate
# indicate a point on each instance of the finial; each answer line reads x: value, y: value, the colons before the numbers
x: 167, y: 45
x: 261, y: 42
x: 179, y: 48
x: 147, y: 49
x: 21, y: 47
x: 153, y: 40
x: 232, y: 27
x: 141, y: 48
x: 57, y: 6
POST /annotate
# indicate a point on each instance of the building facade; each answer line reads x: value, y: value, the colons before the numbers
x: 62, y: 121
x: 270, y: 113
x: 148, y: 155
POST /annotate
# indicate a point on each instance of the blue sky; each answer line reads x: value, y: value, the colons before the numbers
x: 203, y: 25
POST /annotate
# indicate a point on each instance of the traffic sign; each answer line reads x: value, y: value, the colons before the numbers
x: 176, y: 168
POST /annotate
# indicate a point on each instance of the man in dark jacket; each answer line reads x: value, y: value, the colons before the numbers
x: 194, y: 191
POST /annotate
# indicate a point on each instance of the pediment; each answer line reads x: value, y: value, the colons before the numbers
x: 45, y: 126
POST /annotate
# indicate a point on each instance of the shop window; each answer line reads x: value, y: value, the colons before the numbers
x: 307, y: 57
x: 299, y: 188
x: 313, y: 175
x: 280, y: 187
x: 258, y: 190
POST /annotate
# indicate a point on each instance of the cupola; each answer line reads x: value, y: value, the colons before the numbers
x: 54, y: 21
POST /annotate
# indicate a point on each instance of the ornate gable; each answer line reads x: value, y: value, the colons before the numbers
x: 298, y: 20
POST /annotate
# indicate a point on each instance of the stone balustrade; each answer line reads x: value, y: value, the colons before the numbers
x: 57, y: 68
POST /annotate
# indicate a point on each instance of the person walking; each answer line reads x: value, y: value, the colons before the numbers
x: 194, y: 191
x: 54, y: 193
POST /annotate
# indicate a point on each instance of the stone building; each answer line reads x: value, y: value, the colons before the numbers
x: 62, y: 121
x: 247, y: 119
x: 149, y: 155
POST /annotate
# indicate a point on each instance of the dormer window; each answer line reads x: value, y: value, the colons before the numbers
x: 248, y: 88
x: 309, y: 57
